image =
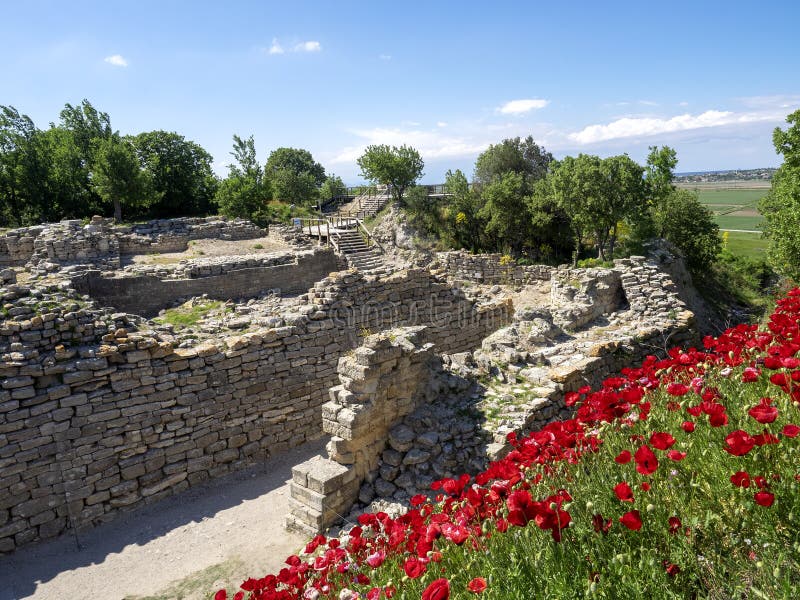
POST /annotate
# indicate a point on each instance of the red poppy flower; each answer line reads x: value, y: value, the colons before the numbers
x: 477, y: 585
x: 662, y: 440
x: 790, y: 430
x: 741, y: 479
x: 600, y: 524
x: 414, y: 567
x: 623, y: 492
x: 623, y: 457
x: 646, y: 461
x: 739, y: 443
x: 763, y: 412
x: 764, y: 498
x: 674, y: 524
x: 677, y: 389
x: 438, y: 589
x: 632, y: 520
x: 645, y: 486
x: 750, y: 374
x: 687, y: 426
x: 671, y: 568
x: 376, y: 559
x: 676, y: 455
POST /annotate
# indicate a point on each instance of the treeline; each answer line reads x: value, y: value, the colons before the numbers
x: 80, y: 166
x: 526, y: 204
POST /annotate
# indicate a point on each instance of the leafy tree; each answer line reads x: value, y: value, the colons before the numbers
x: 118, y: 177
x: 661, y: 163
x: 505, y: 212
x: 295, y: 160
x: 781, y: 207
x: 295, y: 176
x: 23, y: 170
x: 621, y: 196
x: 524, y: 157
x: 245, y: 192
x: 181, y: 173
x: 68, y: 189
x: 690, y: 225
x: 573, y: 186
x: 332, y: 187
x: 466, y: 227
x: 399, y: 168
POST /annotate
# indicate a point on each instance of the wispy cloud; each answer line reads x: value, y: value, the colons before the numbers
x: 117, y: 60
x: 385, y: 56
x: 309, y: 46
x: 628, y: 127
x: 518, y: 107
x: 432, y: 144
x: 441, y: 124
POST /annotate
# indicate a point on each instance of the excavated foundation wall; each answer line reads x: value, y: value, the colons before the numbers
x: 145, y: 295
x: 92, y: 425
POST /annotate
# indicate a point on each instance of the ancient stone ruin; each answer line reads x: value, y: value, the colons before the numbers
x: 416, y: 369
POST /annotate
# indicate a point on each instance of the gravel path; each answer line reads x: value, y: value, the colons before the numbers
x: 184, y: 547
x: 211, y: 247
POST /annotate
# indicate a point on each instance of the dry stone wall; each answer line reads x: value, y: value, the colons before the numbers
x: 137, y: 291
x: 47, y: 247
x: 491, y: 269
x: 97, y: 416
x: 402, y: 418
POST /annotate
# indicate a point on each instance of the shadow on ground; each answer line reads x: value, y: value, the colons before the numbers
x: 75, y: 558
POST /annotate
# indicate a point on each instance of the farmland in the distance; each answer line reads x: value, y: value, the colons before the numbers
x: 735, y: 207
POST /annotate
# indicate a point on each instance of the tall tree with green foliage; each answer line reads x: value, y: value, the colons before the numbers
x: 399, y: 168
x: 295, y: 176
x: 781, y: 206
x: 524, y: 157
x: 689, y: 225
x: 181, y: 173
x: 332, y: 187
x: 118, y: 177
x: 621, y: 196
x: 505, y: 212
x: 244, y: 193
x: 23, y: 169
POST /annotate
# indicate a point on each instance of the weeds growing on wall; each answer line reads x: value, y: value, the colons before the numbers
x: 680, y: 478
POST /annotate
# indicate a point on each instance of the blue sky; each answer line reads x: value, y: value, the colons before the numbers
x: 712, y: 79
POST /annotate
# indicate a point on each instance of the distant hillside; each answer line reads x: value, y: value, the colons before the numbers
x: 732, y: 175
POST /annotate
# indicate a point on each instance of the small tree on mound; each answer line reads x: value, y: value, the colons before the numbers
x: 396, y: 167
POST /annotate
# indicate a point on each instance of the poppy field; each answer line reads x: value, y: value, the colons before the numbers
x: 679, y: 478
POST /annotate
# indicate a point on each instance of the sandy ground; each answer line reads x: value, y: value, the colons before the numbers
x: 205, y: 248
x: 185, y: 547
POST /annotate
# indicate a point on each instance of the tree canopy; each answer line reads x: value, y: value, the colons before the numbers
x: 524, y: 157
x: 781, y: 207
x: 399, y: 168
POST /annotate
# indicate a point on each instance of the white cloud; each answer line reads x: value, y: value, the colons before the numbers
x: 648, y: 103
x: 683, y: 103
x: 276, y: 48
x: 432, y: 144
x: 385, y: 56
x: 646, y: 126
x: 441, y: 124
x: 310, y: 46
x: 518, y: 107
x: 117, y: 60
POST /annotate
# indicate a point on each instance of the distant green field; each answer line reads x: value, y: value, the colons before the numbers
x: 736, y: 221
x: 732, y: 197
x: 747, y: 244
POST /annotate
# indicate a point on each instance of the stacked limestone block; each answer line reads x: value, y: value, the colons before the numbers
x: 381, y: 381
x: 490, y: 269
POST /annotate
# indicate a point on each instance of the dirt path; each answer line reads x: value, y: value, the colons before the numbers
x: 210, y: 247
x: 184, y: 547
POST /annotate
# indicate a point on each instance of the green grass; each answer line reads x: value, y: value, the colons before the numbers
x: 186, y: 315
x: 751, y: 223
x: 732, y: 197
x: 751, y: 245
